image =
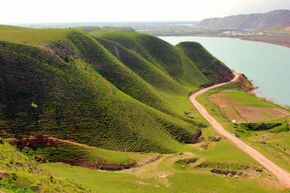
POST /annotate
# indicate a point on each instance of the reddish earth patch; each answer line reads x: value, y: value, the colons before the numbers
x: 34, y: 141
x: 258, y: 114
x: 233, y: 110
x: 225, y: 106
x: 114, y: 167
x: 102, y: 166
x: 48, y: 141
x: 279, y: 40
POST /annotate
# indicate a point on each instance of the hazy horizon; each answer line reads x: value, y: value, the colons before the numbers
x: 128, y: 11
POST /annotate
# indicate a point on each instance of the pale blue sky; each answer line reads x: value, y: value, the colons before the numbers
x: 39, y: 11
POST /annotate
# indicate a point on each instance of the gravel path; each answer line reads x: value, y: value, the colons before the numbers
x: 282, y: 175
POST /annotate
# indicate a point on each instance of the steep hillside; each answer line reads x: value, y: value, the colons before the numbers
x: 210, y: 66
x: 161, y: 54
x: 43, y: 94
x: 273, y: 19
x: 121, y: 90
x: 115, y: 71
x: 104, y: 99
x: 148, y: 71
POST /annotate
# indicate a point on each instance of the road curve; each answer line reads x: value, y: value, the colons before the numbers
x: 282, y: 175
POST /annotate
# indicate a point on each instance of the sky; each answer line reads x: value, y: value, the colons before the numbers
x: 63, y: 11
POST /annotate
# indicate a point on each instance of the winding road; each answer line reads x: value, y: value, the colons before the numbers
x: 282, y: 175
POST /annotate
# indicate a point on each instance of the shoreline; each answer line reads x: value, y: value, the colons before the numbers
x: 256, y: 91
x: 276, y: 40
x: 285, y: 42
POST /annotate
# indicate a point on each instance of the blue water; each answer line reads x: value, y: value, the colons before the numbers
x: 266, y: 64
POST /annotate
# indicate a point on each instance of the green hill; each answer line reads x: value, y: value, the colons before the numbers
x: 161, y: 54
x: 122, y: 90
x: 76, y: 102
x: 114, y: 71
x: 210, y: 66
x: 144, y: 68
x: 106, y: 98
x: 96, y: 31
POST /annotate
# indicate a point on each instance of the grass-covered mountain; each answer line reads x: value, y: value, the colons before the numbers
x: 112, y: 99
x: 210, y: 66
x: 269, y: 20
x: 103, y: 87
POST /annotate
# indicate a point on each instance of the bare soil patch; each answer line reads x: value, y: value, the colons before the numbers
x: 234, y: 110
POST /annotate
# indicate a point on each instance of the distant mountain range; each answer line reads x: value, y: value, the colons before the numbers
x: 273, y: 19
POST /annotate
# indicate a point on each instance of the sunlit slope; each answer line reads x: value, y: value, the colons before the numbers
x: 161, y: 54
x: 145, y: 69
x: 32, y: 36
x: 124, y: 91
x: 210, y: 66
x: 43, y: 94
x: 115, y: 71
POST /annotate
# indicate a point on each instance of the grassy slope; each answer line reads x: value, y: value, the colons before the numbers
x: 272, y: 143
x: 210, y: 66
x: 69, y: 98
x: 102, y: 30
x: 115, y: 71
x: 76, y: 101
x: 75, y: 96
x: 174, y: 93
x: 10, y: 27
x: 148, y: 71
x: 167, y: 175
x: 33, y: 36
x: 20, y: 174
x: 161, y: 54
x: 72, y: 154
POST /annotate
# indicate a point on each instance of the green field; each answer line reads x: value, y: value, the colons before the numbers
x: 270, y: 137
x: 168, y: 174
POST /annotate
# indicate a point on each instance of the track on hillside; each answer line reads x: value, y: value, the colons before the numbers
x: 282, y: 175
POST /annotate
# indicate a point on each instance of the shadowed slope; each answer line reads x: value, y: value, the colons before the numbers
x: 210, y: 66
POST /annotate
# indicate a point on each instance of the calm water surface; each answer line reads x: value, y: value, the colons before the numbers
x: 266, y: 64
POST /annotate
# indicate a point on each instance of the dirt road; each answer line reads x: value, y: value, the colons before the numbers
x: 282, y: 175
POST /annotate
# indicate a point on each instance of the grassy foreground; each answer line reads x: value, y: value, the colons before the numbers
x: 170, y: 173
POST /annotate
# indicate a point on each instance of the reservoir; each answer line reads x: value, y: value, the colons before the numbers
x: 267, y: 65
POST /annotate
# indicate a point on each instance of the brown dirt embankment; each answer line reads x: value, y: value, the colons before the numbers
x: 42, y: 141
x: 282, y: 41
